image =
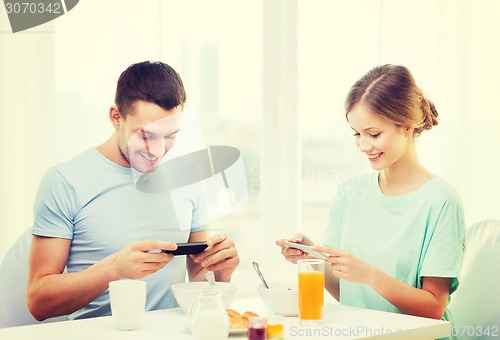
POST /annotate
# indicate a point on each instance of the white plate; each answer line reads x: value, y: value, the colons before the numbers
x: 237, y: 331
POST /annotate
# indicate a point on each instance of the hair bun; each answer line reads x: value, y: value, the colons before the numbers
x: 430, y: 116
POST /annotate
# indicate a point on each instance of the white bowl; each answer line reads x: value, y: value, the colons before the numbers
x: 187, y: 293
x: 282, y: 297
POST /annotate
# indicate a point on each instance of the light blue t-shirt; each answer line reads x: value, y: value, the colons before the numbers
x: 95, y: 203
x: 408, y: 237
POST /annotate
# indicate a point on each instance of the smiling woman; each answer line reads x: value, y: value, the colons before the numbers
x: 387, y: 110
x: 378, y: 137
x: 399, y: 246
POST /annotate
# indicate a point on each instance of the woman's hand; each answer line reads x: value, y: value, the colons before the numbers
x: 292, y: 254
x: 346, y: 266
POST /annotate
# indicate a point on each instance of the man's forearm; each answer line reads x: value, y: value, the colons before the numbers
x: 62, y: 294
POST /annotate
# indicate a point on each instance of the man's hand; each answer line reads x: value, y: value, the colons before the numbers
x: 52, y: 293
x: 135, y: 261
x: 221, y: 257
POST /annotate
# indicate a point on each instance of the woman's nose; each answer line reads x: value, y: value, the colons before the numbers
x: 364, y: 145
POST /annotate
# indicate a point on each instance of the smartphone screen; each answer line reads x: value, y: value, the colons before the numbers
x: 187, y: 248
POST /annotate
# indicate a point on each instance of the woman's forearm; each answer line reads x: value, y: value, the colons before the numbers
x: 430, y: 301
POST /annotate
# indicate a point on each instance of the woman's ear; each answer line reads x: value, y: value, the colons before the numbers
x: 408, y: 131
x: 115, y: 116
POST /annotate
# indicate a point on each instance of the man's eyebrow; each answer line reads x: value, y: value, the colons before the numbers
x: 144, y: 132
x: 173, y: 133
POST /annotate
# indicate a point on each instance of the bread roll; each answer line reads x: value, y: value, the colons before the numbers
x: 248, y: 314
x: 237, y: 320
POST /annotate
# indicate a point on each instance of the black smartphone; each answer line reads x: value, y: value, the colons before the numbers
x: 187, y: 248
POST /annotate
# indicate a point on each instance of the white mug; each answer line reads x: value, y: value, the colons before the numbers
x: 128, y: 302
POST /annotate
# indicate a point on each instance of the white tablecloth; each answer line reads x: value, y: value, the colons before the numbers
x: 340, y: 322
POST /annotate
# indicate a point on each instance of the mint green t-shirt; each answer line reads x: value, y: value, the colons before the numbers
x: 408, y: 237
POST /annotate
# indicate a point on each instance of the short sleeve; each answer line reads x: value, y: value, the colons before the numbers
x: 445, y: 243
x: 54, y: 207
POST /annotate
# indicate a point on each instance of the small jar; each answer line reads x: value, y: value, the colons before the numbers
x: 257, y: 328
x: 275, y: 327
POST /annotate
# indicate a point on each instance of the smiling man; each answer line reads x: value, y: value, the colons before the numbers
x: 91, y: 220
x: 142, y: 138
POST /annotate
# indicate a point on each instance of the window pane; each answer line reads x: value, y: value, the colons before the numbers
x: 333, y: 52
x: 219, y: 58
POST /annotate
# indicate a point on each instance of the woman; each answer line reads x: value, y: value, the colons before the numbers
x: 395, y: 237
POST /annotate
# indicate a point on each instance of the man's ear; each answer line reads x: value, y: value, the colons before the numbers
x: 115, y: 117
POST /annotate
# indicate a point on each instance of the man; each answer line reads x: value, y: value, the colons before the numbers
x: 92, y: 220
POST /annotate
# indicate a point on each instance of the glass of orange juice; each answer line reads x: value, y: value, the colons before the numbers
x: 311, y: 291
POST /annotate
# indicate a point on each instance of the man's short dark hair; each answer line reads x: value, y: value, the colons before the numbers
x: 154, y: 82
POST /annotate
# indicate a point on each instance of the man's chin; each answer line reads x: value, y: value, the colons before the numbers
x: 144, y: 169
x: 144, y: 166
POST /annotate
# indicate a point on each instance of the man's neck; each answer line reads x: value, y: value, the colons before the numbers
x: 110, y: 150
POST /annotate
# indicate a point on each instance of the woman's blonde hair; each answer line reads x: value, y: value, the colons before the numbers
x: 391, y: 92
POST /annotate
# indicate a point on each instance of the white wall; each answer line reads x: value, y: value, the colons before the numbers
x: 57, y: 82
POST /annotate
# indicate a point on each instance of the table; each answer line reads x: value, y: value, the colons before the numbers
x: 340, y: 322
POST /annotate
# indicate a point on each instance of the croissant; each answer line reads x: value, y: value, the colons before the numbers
x: 248, y: 315
x: 237, y: 320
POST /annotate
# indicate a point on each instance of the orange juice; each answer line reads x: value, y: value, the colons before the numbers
x: 311, y: 288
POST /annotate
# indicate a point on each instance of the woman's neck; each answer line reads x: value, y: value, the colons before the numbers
x: 404, y: 176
